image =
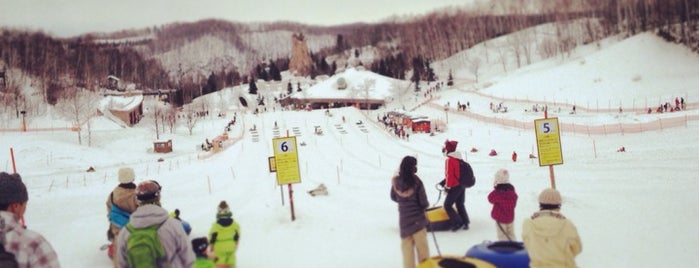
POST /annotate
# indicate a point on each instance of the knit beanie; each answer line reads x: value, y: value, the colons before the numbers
x: 199, y: 245
x: 224, y: 211
x: 502, y: 176
x: 126, y: 175
x: 450, y: 146
x: 12, y: 189
x: 550, y: 196
x: 148, y: 192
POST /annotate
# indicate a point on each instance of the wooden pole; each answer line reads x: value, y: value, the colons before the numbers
x: 552, y: 176
x: 12, y: 156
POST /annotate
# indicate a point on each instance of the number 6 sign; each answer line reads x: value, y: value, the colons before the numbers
x: 286, y: 160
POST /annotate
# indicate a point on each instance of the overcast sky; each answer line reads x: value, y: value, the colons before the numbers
x: 72, y: 17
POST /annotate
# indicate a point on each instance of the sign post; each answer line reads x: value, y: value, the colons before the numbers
x: 286, y: 161
x: 548, y: 143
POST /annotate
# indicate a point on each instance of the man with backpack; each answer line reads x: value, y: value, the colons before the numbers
x: 152, y: 238
x: 30, y: 249
x: 455, y: 188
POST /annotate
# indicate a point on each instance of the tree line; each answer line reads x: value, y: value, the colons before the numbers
x: 406, y: 46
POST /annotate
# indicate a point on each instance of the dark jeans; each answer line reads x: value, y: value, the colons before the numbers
x: 456, y: 195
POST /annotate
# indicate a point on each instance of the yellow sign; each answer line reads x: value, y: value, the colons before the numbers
x: 272, y: 164
x: 286, y: 160
x: 548, y: 141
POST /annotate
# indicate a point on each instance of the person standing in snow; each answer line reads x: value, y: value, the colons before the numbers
x: 31, y: 249
x: 408, y: 191
x: 121, y: 202
x: 200, y: 246
x: 178, y: 251
x: 550, y: 238
x: 504, y: 200
x: 224, y: 237
x: 456, y: 193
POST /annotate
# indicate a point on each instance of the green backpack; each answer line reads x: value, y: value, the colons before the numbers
x: 143, y: 250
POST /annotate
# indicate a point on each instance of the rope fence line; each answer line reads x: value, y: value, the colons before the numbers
x: 659, y: 124
x: 578, y: 107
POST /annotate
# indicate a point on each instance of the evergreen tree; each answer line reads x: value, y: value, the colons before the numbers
x: 289, y: 90
x: 450, y: 80
x: 253, y: 87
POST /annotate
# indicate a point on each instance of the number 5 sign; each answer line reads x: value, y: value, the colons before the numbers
x: 548, y: 141
x: 286, y: 160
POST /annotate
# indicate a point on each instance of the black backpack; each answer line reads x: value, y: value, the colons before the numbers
x: 466, y: 177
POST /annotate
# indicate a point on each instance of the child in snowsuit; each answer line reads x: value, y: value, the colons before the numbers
x: 200, y: 247
x: 224, y: 236
x: 121, y: 202
x: 504, y: 200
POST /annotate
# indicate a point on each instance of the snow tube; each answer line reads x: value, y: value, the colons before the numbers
x: 438, y: 219
x: 510, y: 254
x: 454, y: 262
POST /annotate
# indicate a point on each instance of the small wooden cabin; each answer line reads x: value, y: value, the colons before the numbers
x: 162, y: 146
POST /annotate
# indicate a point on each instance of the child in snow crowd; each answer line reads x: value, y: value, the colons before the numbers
x: 31, y: 250
x: 201, y: 250
x: 550, y: 238
x: 408, y: 191
x: 504, y: 200
x: 121, y: 202
x: 224, y: 237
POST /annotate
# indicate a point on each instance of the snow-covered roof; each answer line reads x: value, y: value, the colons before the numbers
x: 356, y: 80
x: 122, y: 103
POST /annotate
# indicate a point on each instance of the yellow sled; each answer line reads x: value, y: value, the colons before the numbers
x: 438, y: 218
x: 454, y: 262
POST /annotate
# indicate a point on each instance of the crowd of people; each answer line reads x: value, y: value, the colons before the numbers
x: 549, y: 238
x: 136, y: 218
x: 142, y: 232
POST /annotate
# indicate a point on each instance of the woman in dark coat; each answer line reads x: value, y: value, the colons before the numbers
x: 408, y: 191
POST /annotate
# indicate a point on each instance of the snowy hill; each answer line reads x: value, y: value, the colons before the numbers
x: 608, y: 195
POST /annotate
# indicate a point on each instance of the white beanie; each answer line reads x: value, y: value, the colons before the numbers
x: 126, y: 175
x: 501, y: 177
x: 550, y: 196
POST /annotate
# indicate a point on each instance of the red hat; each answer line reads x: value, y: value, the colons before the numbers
x: 450, y: 146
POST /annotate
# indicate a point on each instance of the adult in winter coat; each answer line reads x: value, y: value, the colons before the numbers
x: 31, y: 250
x: 178, y: 251
x: 456, y: 193
x: 121, y: 202
x: 408, y: 191
x: 504, y: 200
x: 224, y: 237
x: 550, y: 238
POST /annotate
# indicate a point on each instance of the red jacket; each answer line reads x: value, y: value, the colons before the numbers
x: 452, y: 170
x: 504, y: 200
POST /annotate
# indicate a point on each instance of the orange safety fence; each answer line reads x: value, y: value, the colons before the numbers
x: 658, y: 124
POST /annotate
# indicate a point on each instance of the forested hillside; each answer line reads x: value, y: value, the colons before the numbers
x: 205, y: 56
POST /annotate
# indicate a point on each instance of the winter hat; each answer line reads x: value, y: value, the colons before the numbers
x: 550, y: 196
x: 126, y: 175
x: 199, y: 245
x: 223, y: 211
x: 148, y: 192
x: 450, y: 146
x: 501, y: 177
x: 12, y: 189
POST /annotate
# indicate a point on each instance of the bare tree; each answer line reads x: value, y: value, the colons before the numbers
x: 190, y: 118
x: 79, y: 105
x: 156, y: 111
x: 474, y: 64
